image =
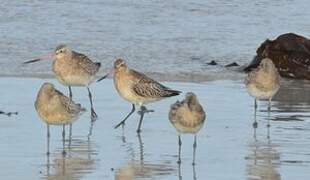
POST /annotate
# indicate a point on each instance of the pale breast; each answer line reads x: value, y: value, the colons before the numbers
x: 70, y: 75
x: 124, y: 83
x: 53, y: 112
x: 186, y: 121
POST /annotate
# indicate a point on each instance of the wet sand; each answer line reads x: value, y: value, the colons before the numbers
x: 227, y: 146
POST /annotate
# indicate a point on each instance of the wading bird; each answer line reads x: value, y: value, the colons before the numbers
x: 54, y: 108
x: 263, y: 83
x: 187, y: 116
x: 73, y: 69
x: 138, y: 89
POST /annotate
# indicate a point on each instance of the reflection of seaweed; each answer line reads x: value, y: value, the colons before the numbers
x: 136, y: 169
x: 292, y: 101
x: 78, y: 162
x: 9, y: 114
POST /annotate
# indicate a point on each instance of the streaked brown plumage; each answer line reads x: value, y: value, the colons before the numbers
x: 187, y: 116
x: 54, y: 108
x: 75, y: 69
x: 263, y: 82
x: 138, y: 89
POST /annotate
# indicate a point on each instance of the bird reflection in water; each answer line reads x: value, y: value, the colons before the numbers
x: 180, y: 172
x: 75, y: 165
x: 140, y: 168
x: 268, y: 118
x: 263, y: 159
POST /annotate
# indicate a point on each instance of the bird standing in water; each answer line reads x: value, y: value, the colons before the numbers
x: 73, y: 69
x: 263, y: 83
x: 187, y: 116
x: 54, y: 108
x: 138, y: 89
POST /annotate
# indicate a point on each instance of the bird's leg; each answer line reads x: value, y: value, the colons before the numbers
x: 70, y: 92
x: 269, y: 104
x: 123, y: 121
x: 63, y: 140
x: 255, y: 109
x: 70, y: 135
x: 180, y: 144
x: 268, y: 124
x: 179, y: 169
x: 194, y: 173
x: 141, y: 112
x: 48, y: 140
x: 194, y: 150
x: 93, y: 113
x: 255, y: 125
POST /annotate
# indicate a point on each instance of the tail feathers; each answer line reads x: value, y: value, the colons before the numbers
x: 171, y: 92
x: 82, y: 109
x: 98, y: 64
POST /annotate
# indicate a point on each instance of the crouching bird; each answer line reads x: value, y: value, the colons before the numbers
x: 54, y: 108
x: 187, y: 117
x: 263, y: 83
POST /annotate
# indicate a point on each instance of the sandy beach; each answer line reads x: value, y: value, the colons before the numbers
x: 227, y: 147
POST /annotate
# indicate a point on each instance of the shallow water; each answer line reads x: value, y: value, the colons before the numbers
x: 170, y: 39
x: 227, y: 147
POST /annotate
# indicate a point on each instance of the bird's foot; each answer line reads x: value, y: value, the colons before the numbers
x: 138, y: 131
x: 179, y: 161
x: 144, y: 110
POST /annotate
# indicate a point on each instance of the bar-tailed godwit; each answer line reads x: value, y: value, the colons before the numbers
x: 138, y: 89
x: 73, y: 69
x: 187, y: 116
x: 263, y: 83
x: 54, y: 108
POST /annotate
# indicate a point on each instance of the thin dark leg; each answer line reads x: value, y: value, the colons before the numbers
x: 194, y: 150
x: 180, y: 144
x: 255, y: 125
x: 180, y: 173
x: 93, y: 113
x: 70, y: 92
x: 141, y: 150
x: 70, y: 135
x: 255, y: 109
x: 194, y: 173
x: 268, y: 124
x: 269, y: 104
x: 142, y: 111
x: 48, y: 140
x: 48, y: 164
x: 63, y: 140
x: 123, y: 121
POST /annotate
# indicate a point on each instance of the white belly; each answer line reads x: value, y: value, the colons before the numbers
x: 74, y: 80
x: 259, y: 94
